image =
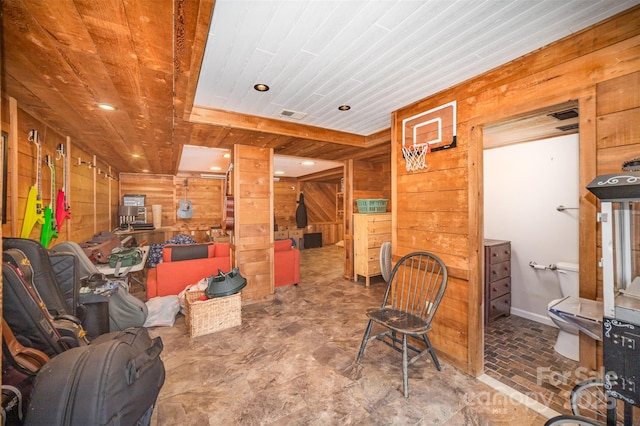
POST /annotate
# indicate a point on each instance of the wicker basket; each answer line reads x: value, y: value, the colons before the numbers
x: 211, y: 315
x: 372, y: 205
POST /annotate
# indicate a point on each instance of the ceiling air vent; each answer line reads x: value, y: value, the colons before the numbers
x: 566, y: 114
x: 292, y: 114
x: 568, y: 127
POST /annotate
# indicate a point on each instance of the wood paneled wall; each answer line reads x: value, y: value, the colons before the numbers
x: 320, y: 200
x: 252, y: 237
x: 285, y: 202
x: 206, y: 196
x: 440, y: 209
x: 93, y: 195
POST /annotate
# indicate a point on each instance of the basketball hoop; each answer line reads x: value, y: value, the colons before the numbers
x: 415, y: 156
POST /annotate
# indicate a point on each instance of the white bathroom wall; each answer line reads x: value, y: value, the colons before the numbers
x: 523, y: 185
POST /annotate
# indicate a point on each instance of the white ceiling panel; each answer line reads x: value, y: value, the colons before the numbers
x: 376, y: 56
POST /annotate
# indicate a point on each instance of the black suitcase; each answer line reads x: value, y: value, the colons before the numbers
x: 28, y: 317
x: 16, y: 389
x: 43, y: 276
x: 114, y: 381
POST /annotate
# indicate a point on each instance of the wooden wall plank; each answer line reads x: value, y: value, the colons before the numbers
x: 320, y: 200
x: 252, y: 238
x: 619, y: 128
x: 285, y: 198
x: 618, y: 94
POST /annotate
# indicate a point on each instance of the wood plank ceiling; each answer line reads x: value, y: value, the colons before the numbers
x: 144, y: 57
x: 60, y: 62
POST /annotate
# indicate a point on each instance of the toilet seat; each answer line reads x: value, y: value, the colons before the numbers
x: 573, y: 314
x: 558, y: 320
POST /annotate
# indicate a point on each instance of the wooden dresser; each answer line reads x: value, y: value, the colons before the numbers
x: 497, y: 279
x: 369, y: 232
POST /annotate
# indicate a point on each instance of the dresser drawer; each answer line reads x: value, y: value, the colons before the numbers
x: 500, y: 306
x: 499, y: 271
x: 499, y: 288
x: 373, y: 267
x: 499, y: 253
x: 376, y: 240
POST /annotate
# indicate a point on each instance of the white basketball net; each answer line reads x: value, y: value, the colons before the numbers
x: 415, y: 156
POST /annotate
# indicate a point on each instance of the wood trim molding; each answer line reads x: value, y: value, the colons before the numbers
x: 95, y: 196
x: 475, y: 354
x: 587, y: 239
x: 383, y: 136
x: 13, y: 159
x: 67, y: 166
x: 197, y: 52
x: 269, y: 125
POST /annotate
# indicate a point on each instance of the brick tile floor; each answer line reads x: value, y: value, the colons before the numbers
x: 519, y: 353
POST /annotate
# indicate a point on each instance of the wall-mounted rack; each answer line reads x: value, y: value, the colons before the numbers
x: 105, y: 174
x: 91, y: 164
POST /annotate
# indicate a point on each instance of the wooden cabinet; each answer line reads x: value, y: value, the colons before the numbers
x: 369, y: 232
x: 497, y: 279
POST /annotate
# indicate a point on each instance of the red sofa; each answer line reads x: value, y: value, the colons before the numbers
x: 184, y: 264
x: 286, y: 263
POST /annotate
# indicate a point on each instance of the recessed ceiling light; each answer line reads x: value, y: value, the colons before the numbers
x: 135, y: 155
x: 215, y: 168
x: 107, y: 107
x: 261, y: 87
x: 145, y: 171
x: 344, y: 107
x: 279, y: 172
x: 308, y: 163
x: 227, y: 155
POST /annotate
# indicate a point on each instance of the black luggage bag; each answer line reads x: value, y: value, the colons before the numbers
x: 114, y: 381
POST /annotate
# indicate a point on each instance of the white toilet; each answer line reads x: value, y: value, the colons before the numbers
x: 567, y: 344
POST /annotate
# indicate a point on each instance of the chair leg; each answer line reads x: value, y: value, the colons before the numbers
x: 431, y: 351
x: 405, y: 378
x: 365, y: 339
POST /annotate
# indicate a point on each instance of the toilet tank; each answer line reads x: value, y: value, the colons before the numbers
x: 568, y: 274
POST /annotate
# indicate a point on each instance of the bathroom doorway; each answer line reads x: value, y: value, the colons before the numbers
x: 531, y: 197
